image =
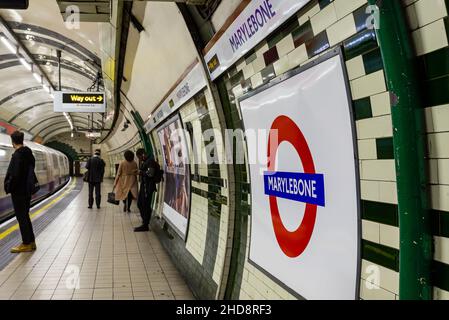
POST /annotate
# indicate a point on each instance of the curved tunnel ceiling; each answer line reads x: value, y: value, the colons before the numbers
x: 41, y: 29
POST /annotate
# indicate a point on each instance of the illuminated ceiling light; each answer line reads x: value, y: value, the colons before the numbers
x: 37, y: 77
x: 25, y: 64
x: 8, y: 45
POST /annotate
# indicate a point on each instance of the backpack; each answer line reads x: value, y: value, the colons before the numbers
x: 157, y: 175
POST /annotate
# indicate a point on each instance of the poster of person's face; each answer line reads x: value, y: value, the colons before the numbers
x: 177, y: 175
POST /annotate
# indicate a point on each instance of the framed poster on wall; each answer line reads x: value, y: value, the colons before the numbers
x: 305, y: 231
x: 177, y: 175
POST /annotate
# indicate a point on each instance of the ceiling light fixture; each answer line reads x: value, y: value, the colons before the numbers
x: 38, y: 77
x: 25, y: 64
x: 28, y: 65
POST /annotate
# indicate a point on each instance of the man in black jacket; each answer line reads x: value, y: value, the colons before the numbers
x: 18, y: 185
x: 95, y: 167
x: 148, y: 168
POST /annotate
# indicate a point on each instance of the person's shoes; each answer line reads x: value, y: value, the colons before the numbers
x: 142, y: 229
x: 24, y: 248
x: 90, y: 207
x: 124, y: 209
x: 33, y: 245
x: 98, y: 207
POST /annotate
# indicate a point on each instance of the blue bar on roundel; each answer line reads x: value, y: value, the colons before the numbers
x: 300, y: 187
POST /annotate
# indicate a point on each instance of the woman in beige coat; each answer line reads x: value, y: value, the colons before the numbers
x: 126, y: 184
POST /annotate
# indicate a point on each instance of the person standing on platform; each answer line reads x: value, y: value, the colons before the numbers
x: 95, y: 167
x: 148, y: 168
x: 126, y: 185
x: 17, y: 183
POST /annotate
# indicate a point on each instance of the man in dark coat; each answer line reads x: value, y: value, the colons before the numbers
x: 148, y: 169
x: 17, y: 183
x: 95, y: 167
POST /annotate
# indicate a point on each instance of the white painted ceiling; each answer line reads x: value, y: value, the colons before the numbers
x: 42, y: 30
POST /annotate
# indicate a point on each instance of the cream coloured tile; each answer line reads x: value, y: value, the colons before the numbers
x: 370, y: 231
x: 428, y: 11
x: 341, y: 30
x: 323, y: 19
x: 378, y: 127
x: 370, y: 291
x: 380, y: 104
x: 440, y: 294
x: 430, y: 38
x: 442, y: 249
x: 389, y: 236
x: 355, y: 67
x: 285, y: 46
x: 345, y: 7
x: 368, y: 85
x: 298, y: 56
x: 439, y: 195
x: 379, y: 170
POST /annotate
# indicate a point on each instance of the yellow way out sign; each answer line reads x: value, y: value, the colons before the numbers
x: 79, y: 102
x: 83, y: 98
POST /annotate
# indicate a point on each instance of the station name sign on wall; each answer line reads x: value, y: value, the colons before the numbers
x: 79, y: 102
x: 194, y: 82
x: 255, y: 23
x: 305, y: 195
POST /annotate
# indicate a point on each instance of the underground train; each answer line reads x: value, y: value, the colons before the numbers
x: 52, y: 171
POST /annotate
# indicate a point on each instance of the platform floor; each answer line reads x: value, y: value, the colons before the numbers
x: 94, y: 255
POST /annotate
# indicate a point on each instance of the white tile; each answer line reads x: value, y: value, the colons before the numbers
x: 430, y: 38
x: 440, y: 197
x: 379, y: 170
x: 355, y: 67
x: 428, y: 11
x: 323, y: 19
x: 371, y: 231
x: 440, y: 294
x: 341, y: 30
x: 369, y: 291
x: 442, y: 249
x: 368, y: 85
x: 389, y: 236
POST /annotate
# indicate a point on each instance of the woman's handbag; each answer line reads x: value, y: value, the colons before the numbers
x: 111, y: 198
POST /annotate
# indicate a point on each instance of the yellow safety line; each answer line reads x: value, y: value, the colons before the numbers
x: 38, y: 212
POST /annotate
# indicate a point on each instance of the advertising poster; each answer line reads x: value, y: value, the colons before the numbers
x: 305, y: 195
x: 177, y: 175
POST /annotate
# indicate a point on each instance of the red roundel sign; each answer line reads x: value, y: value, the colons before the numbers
x: 293, y: 244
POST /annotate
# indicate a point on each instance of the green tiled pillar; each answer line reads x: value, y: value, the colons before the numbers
x: 138, y: 121
x: 409, y: 152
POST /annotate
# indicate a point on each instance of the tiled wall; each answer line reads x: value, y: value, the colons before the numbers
x: 115, y: 157
x: 429, y: 24
x: 318, y: 27
x: 202, y: 257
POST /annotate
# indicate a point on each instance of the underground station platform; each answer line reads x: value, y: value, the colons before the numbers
x: 87, y: 255
x: 212, y: 158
